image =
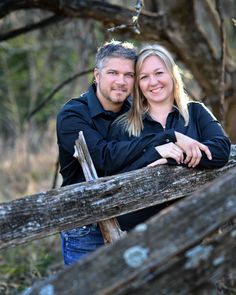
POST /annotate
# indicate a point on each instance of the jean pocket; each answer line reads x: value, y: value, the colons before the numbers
x: 78, y: 232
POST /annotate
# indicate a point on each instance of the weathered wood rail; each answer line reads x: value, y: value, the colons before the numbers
x: 49, y: 212
x: 110, y: 228
x: 175, y: 252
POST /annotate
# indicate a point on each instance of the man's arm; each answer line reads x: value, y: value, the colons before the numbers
x: 109, y: 156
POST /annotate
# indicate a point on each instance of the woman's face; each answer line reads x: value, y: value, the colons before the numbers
x: 155, y: 81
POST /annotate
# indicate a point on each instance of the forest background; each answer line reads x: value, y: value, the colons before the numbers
x: 47, y: 54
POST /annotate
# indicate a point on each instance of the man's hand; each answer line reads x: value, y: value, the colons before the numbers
x: 171, y: 150
x: 192, y: 148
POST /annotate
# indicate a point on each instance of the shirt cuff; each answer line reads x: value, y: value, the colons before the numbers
x: 170, y: 135
x: 151, y: 154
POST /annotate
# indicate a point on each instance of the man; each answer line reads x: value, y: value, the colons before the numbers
x: 93, y: 113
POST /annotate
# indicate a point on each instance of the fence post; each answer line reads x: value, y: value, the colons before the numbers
x: 110, y: 228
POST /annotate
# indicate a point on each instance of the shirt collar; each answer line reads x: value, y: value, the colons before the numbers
x: 94, y: 105
x: 96, y: 108
x: 174, y: 110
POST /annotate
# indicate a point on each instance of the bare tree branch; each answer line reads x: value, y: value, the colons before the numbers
x: 134, y: 25
x: 171, y: 32
x: 48, y: 21
x: 55, y: 90
x: 191, y: 33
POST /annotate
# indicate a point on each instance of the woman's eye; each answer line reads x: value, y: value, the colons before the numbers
x: 143, y: 77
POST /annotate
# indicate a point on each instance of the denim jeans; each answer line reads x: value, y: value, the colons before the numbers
x: 79, y: 242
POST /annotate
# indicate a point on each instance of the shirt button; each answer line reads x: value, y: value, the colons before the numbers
x: 167, y: 140
x: 144, y: 150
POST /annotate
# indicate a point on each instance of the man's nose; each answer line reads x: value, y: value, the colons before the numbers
x: 121, y: 79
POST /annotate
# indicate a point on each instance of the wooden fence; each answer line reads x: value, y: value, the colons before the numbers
x: 176, y: 252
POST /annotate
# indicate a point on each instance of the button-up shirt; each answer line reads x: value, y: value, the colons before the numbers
x: 202, y: 126
x: 87, y: 114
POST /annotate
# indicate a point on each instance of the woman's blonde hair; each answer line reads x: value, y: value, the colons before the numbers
x: 132, y: 121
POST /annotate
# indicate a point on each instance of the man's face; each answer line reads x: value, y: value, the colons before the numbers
x: 115, y: 82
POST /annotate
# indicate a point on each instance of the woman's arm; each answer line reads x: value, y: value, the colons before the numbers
x: 212, y: 147
x: 214, y: 137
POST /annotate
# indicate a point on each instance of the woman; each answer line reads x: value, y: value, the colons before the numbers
x: 160, y: 103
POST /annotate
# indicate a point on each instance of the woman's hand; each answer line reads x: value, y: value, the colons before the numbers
x: 157, y: 163
x: 171, y: 150
x: 192, y: 148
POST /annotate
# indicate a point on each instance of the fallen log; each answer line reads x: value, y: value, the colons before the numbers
x: 45, y: 213
x: 175, y: 252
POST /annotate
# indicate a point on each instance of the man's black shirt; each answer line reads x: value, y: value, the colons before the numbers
x: 87, y: 114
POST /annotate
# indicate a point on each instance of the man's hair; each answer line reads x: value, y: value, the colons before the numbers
x: 115, y: 48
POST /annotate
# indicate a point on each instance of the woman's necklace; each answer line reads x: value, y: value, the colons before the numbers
x: 157, y: 119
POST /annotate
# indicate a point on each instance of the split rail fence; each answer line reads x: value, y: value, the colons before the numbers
x: 179, y: 251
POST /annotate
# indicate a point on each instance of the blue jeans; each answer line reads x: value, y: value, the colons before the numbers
x: 79, y: 242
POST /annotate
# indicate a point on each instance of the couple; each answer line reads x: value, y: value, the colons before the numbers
x: 160, y: 125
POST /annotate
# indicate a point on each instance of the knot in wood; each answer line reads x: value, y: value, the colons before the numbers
x: 135, y: 256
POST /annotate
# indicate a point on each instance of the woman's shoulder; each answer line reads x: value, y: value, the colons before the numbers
x: 199, y: 109
x: 197, y: 106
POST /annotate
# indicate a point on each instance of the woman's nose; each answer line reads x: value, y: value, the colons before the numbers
x: 153, y: 80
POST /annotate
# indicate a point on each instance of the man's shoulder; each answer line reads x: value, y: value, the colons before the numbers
x: 74, y: 110
x: 75, y: 104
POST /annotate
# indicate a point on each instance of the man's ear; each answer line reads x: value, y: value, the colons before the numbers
x: 96, y: 75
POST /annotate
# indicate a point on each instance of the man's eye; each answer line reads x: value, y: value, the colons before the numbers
x: 130, y: 75
x: 112, y: 73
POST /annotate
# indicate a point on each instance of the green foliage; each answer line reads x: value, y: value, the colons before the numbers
x: 22, y: 265
x: 32, y: 65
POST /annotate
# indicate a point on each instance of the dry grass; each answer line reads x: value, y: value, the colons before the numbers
x: 25, y: 169
x: 29, y: 166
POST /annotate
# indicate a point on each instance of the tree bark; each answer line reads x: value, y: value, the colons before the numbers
x: 176, y: 252
x: 49, y: 212
x: 168, y: 25
x: 189, y: 28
